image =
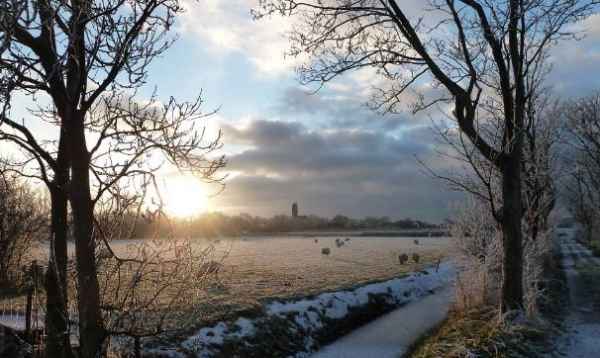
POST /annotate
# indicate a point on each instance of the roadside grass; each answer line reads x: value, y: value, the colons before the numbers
x: 590, y: 276
x: 595, y: 247
x: 480, y: 333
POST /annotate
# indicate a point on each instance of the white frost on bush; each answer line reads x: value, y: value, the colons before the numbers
x: 311, y: 314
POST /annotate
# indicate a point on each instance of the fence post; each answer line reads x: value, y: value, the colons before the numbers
x: 137, y: 347
x: 31, y: 290
x: 28, y: 312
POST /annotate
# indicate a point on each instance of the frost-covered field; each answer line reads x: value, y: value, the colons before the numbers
x: 257, y: 269
x: 282, y: 267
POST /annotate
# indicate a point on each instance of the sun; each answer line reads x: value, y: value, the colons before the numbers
x: 184, y: 196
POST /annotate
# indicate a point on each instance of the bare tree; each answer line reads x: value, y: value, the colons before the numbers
x: 72, y: 53
x: 583, y: 185
x: 577, y: 192
x: 52, y: 167
x: 541, y: 164
x: 472, y: 52
x: 481, y: 180
x: 22, y: 221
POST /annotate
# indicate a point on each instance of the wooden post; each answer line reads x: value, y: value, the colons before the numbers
x: 31, y: 291
x: 137, y: 347
x: 28, y: 312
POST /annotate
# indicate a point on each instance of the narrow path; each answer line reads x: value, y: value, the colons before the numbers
x: 583, y: 322
x: 391, y: 335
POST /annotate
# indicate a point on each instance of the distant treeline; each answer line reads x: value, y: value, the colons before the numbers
x: 218, y: 224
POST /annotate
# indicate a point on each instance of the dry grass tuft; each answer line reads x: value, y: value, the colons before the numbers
x: 479, y: 333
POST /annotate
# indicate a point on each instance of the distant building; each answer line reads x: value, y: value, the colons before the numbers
x: 295, y: 210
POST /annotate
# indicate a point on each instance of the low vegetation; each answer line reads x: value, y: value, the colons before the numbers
x: 477, y: 331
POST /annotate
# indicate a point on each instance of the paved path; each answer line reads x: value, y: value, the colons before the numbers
x: 583, y: 323
x: 391, y: 335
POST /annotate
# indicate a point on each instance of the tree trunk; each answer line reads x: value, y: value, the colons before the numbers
x: 512, y: 273
x: 57, y: 325
x: 91, y: 329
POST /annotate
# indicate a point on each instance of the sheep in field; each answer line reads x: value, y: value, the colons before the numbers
x: 403, y: 259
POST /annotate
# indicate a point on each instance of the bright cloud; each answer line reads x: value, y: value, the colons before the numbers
x: 228, y: 27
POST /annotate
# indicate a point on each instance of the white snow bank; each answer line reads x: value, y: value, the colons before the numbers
x: 311, y: 314
x: 215, y: 335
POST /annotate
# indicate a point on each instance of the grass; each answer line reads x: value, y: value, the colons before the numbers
x: 480, y: 333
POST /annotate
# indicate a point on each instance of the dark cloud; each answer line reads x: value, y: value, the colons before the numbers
x: 339, y: 109
x: 575, y: 64
x: 356, y: 172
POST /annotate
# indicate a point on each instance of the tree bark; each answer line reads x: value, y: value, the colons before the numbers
x: 512, y: 275
x: 91, y: 329
x: 57, y: 325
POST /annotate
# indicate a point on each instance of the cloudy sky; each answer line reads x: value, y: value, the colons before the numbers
x: 326, y: 151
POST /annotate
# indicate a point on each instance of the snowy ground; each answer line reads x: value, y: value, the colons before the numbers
x: 311, y: 315
x: 583, y: 323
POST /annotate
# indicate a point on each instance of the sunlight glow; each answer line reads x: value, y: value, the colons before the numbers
x: 184, y: 196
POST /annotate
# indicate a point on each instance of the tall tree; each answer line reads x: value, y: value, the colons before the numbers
x: 471, y: 52
x: 75, y: 54
x: 52, y: 168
